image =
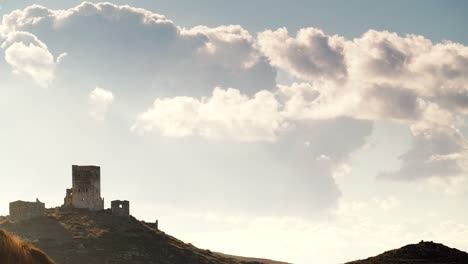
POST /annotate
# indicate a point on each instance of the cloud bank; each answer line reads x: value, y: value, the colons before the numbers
x: 185, y: 73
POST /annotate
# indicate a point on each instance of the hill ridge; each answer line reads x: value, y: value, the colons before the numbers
x: 424, y: 252
x: 75, y: 236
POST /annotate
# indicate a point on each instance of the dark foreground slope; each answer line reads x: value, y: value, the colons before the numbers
x: 421, y: 253
x: 79, y: 236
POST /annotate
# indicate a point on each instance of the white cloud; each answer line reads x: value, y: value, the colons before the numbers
x: 143, y: 47
x: 383, y: 76
x: 232, y: 46
x: 310, y: 55
x: 26, y: 54
x: 227, y: 114
x: 100, y: 100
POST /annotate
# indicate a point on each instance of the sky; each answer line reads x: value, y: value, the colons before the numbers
x: 309, y: 132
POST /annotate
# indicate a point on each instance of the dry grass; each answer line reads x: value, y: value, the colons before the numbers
x: 15, y: 250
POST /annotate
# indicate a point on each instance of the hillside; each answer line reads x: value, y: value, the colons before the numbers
x: 79, y: 236
x: 421, y: 253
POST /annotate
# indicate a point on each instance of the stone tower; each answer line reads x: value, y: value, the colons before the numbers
x: 86, y: 188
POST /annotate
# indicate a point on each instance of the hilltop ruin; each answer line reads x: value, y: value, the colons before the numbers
x: 21, y: 210
x: 84, y: 194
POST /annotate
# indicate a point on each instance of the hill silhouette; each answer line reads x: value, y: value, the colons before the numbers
x: 76, y: 236
x: 421, y: 253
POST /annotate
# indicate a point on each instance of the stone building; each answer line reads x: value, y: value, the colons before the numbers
x: 86, y: 188
x: 21, y: 210
x: 120, y: 208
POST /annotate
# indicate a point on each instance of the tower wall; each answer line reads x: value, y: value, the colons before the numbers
x: 86, y: 188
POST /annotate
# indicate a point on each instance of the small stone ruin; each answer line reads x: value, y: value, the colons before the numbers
x: 120, y: 208
x: 21, y: 210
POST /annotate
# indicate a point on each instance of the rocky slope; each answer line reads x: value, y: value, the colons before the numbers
x: 80, y: 236
x: 421, y: 253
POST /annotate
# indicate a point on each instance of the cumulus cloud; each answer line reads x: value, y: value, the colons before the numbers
x: 137, y: 47
x: 310, y: 55
x: 26, y: 54
x: 229, y: 114
x: 232, y: 46
x: 429, y: 71
x: 383, y: 76
x: 100, y: 100
x: 226, y: 114
x: 385, y: 73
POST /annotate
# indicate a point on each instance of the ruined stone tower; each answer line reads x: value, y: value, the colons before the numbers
x: 86, y: 188
x: 21, y: 210
x: 120, y: 208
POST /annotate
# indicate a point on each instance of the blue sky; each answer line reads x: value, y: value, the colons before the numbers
x: 312, y: 132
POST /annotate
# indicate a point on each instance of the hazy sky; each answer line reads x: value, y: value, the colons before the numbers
x: 304, y: 131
